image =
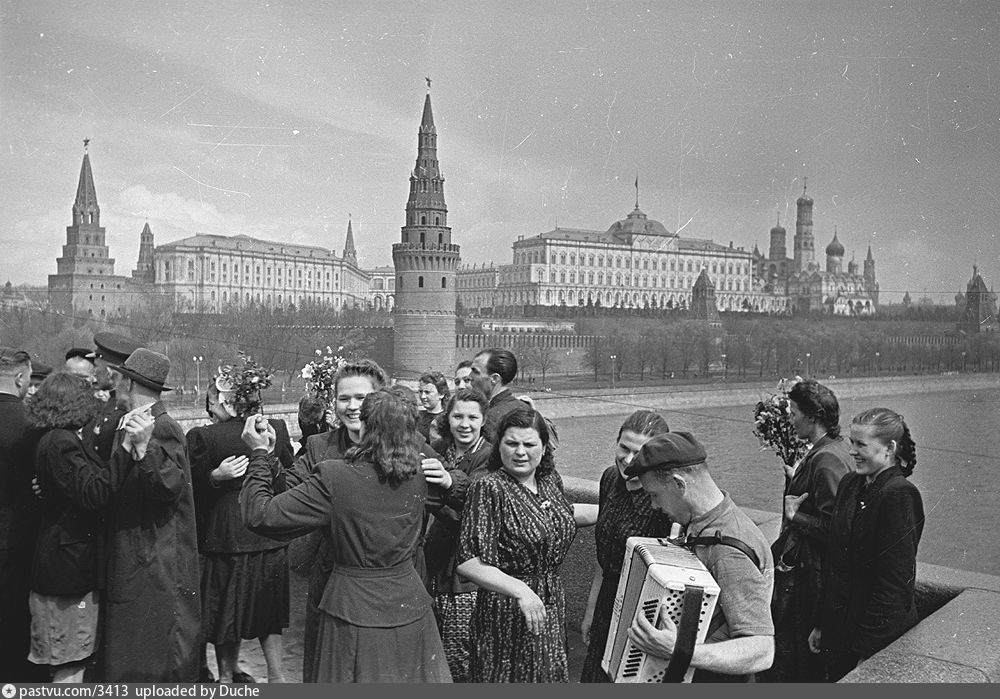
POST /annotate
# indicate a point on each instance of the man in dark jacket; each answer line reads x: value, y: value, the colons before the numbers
x: 19, y: 519
x: 493, y: 371
x: 153, y: 604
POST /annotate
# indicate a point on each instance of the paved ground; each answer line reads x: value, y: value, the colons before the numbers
x: 252, y: 659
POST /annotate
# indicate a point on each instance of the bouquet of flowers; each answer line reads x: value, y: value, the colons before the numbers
x: 772, y: 425
x: 240, y: 385
x: 320, y: 373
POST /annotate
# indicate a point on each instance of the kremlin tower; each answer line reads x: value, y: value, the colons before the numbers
x: 803, y: 241
x: 425, y: 262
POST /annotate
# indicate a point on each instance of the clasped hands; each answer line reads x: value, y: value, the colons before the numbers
x: 259, y: 434
x: 138, y: 431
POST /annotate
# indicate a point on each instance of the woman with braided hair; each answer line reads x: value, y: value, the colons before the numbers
x: 867, y: 599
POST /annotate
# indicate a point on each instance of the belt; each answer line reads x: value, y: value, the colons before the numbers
x: 369, y: 572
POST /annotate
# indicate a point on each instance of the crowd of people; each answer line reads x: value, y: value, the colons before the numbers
x: 433, y: 524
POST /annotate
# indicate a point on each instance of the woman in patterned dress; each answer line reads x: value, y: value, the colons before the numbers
x: 465, y: 454
x: 516, y: 530
x: 625, y: 511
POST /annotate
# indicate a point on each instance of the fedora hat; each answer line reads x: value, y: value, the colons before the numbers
x: 146, y: 367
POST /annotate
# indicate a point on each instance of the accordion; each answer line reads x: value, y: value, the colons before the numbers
x: 659, y: 578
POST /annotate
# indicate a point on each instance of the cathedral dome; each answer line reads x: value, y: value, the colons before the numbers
x: 637, y: 223
x: 835, y: 249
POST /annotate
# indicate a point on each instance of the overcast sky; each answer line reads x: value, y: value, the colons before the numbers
x: 280, y: 119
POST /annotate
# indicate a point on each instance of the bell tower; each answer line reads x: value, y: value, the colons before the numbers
x: 425, y: 262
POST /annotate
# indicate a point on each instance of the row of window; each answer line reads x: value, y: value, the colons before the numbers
x: 420, y: 282
x: 619, y: 261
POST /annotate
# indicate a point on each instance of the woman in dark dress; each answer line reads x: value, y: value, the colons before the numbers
x: 376, y: 623
x: 800, y: 549
x: 244, y: 576
x: 624, y: 511
x: 516, y: 530
x: 867, y: 598
x: 66, y: 573
x: 465, y: 454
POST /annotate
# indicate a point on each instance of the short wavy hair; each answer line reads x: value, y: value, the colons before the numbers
x: 437, y: 379
x: 361, y: 367
x: 389, y: 440
x: 525, y: 418
x: 462, y: 395
x: 63, y: 401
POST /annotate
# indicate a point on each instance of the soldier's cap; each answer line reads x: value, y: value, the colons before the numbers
x: 80, y: 352
x: 112, y: 347
x: 39, y: 370
x: 667, y: 451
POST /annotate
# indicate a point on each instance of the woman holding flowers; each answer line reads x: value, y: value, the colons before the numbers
x: 801, y: 547
x: 244, y: 577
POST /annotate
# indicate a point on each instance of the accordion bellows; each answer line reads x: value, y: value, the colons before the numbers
x: 655, y: 577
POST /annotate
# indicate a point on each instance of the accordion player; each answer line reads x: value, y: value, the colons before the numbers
x: 659, y: 578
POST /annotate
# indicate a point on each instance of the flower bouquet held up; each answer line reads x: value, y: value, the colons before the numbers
x: 772, y: 425
x: 320, y: 374
x: 240, y: 386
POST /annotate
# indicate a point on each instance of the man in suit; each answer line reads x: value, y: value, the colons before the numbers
x: 153, y: 603
x: 19, y: 519
x: 493, y: 370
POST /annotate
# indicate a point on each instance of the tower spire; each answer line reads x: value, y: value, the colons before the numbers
x: 85, y: 208
x: 350, y: 252
x: 636, y: 189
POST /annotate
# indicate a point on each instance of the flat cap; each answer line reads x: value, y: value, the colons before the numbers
x: 666, y: 451
x: 113, y: 348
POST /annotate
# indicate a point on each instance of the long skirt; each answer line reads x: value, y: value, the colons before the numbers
x: 454, y: 612
x: 505, y: 650
x: 244, y: 595
x: 408, y: 653
x: 63, y: 629
x: 793, y: 606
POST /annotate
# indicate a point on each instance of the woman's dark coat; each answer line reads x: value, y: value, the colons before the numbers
x: 867, y: 601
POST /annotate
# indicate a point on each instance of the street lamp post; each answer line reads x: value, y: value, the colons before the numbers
x: 877, y: 356
x: 808, y: 372
x: 197, y: 366
x: 725, y: 366
x: 963, y: 362
x: 613, y: 358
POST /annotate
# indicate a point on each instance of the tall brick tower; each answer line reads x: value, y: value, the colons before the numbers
x: 84, y: 278
x: 425, y: 261
x: 803, y: 241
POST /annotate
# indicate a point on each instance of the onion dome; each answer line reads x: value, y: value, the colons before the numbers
x: 778, y: 228
x: 835, y: 249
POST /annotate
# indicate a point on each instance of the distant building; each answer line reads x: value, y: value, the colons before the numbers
x: 635, y: 264
x: 800, y: 278
x: 426, y: 261
x: 980, y: 312
x: 382, y: 288
x: 202, y: 273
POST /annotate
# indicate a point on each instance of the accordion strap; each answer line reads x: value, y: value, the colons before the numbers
x: 687, y: 632
x: 718, y: 538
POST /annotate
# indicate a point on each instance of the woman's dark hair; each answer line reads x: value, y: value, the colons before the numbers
x: 818, y: 403
x: 361, y: 367
x: 888, y: 425
x: 390, y: 440
x: 462, y: 395
x: 439, y: 381
x: 312, y: 413
x: 524, y: 418
x: 644, y: 422
x: 63, y: 401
